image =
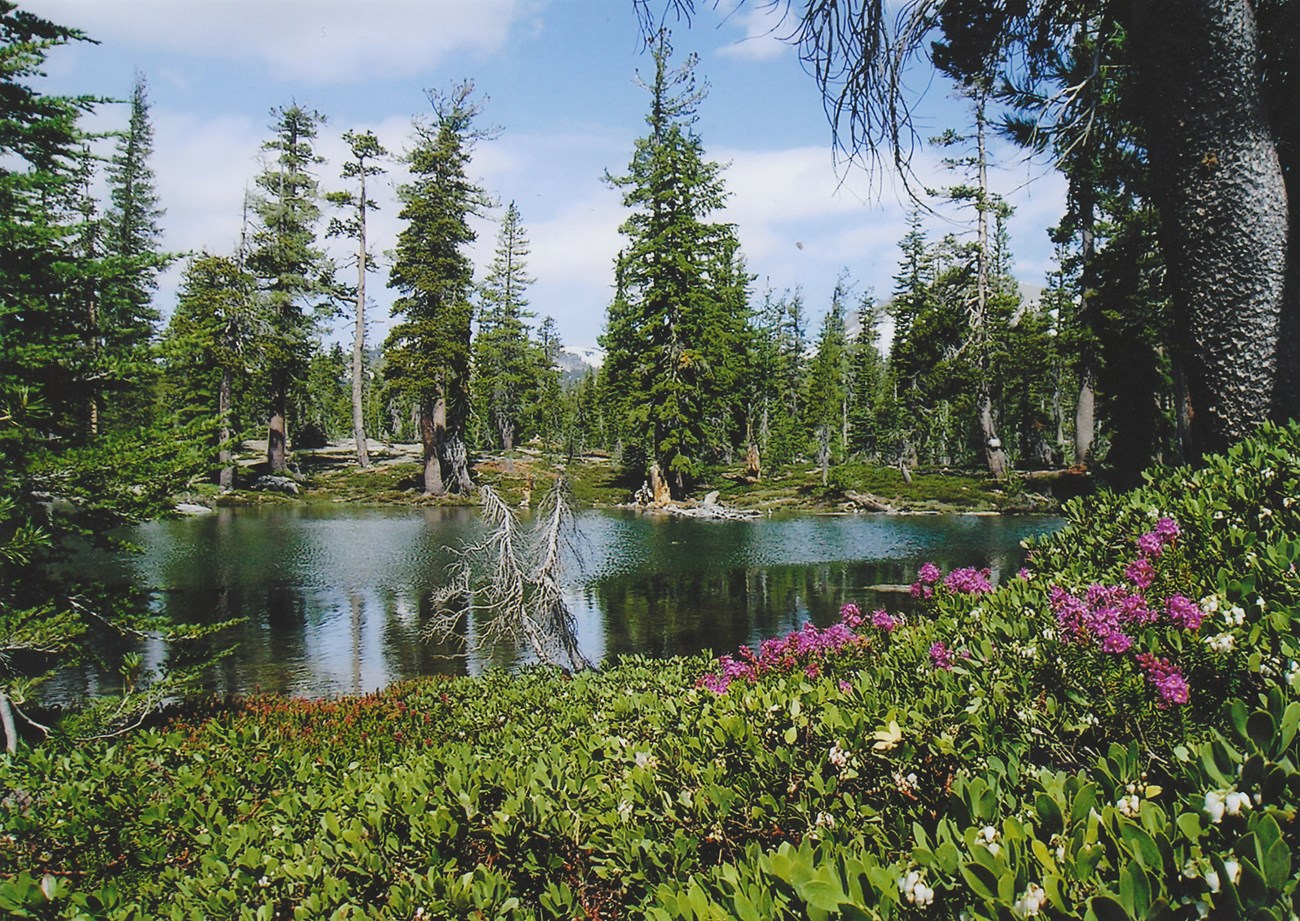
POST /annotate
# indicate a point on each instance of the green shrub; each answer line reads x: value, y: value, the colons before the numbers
x: 1038, y: 776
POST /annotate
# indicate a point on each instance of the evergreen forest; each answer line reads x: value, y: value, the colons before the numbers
x: 1110, y: 734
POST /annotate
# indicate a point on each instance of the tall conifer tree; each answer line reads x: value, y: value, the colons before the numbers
x: 675, y: 310
x: 127, y: 317
x: 505, y: 365
x: 366, y: 150
x: 291, y: 270
x: 428, y: 352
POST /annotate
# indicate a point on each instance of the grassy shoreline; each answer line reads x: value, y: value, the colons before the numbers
x: 328, y: 475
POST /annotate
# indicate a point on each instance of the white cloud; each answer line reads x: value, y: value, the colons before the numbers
x: 312, y: 41
x: 765, y: 27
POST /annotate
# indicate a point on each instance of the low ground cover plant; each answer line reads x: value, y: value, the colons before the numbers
x: 1110, y: 733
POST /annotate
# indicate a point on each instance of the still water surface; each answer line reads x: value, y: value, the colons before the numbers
x: 336, y: 599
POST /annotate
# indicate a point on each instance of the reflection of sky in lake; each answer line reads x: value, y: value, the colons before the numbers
x: 335, y: 599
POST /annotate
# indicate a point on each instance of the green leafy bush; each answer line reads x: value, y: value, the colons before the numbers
x: 1036, y: 775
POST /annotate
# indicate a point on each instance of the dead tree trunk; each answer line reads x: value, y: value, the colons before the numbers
x: 224, y: 407
x: 359, y: 334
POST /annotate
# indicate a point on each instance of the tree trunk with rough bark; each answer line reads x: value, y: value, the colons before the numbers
x: 277, y: 432
x: 433, y: 430
x: 1223, y: 208
x: 224, y: 405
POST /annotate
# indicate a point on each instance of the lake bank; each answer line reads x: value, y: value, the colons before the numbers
x: 521, y: 477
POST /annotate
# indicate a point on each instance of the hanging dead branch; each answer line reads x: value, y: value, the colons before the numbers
x: 512, y: 582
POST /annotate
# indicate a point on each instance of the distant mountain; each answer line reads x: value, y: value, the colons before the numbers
x: 576, y: 360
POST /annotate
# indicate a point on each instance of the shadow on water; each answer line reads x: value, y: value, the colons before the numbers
x: 335, y: 600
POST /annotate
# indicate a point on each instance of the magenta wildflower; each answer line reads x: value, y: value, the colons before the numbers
x: 1140, y: 572
x: 1167, y: 679
x: 883, y: 620
x: 922, y: 591
x: 968, y: 581
x: 1100, y: 616
x: 941, y: 656
x: 845, y: 687
x: 928, y: 574
x: 1183, y: 612
x: 1153, y: 543
x: 805, y: 648
x: 850, y: 615
x: 1023, y: 574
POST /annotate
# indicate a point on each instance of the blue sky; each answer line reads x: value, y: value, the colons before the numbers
x: 559, y: 77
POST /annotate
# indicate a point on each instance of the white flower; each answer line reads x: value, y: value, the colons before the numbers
x: 1212, y: 879
x: 646, y: 760
x: 1235, y: 616
x: 1215, y: 803
x: 1259, y: 602
x: 1236, y: 802
x: 1223, y: 642
x: 1032, y: 902
x: 1233, y: 869
x: 915, y: 890
x: 825, y: 820
x: 1190, y: 871
x: 988, y: 834
x: 838, y: 756
x: 625, y: 811
x: 1129, y: 805
x: 1210, y: 604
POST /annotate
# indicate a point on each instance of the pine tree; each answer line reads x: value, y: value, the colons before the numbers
x: 826, y: 403
x: 208, y: 349
x: 365, y: 150
x: 978, y: 305
x: 675, y: 309
x: 292, y: 272
x: 547, y: 410
x: 127, y: 317
x: 505, y: 380
x: 866, y: 378
x: 428, y: 352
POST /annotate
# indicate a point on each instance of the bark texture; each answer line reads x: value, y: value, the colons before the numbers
x: 433, y: 432
x: 277, y: 432
x: 1223, y: 209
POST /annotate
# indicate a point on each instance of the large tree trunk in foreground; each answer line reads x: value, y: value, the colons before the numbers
x: 1223, y: 209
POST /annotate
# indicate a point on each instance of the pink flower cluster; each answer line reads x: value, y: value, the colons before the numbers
x: 968, y: 581
x: 926, y: 578
x: 1183, y: 612
x: 1153, y: 543
x: 807, y: 647
x: 1105, y: 612
x: 1167, y: 679
x: 1141, y: 572
x: 941, y: 656
x: 1101, y: 615
x: 964, y: 581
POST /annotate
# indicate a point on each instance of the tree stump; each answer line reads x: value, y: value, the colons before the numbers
x: 753, y: 465
x: 659, y: 492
